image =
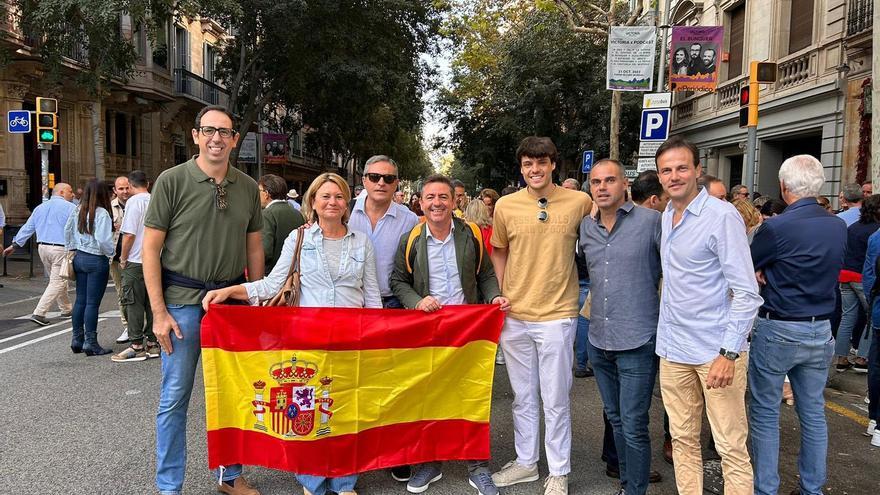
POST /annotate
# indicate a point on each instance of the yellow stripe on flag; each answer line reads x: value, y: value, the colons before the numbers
x: 369, y: 388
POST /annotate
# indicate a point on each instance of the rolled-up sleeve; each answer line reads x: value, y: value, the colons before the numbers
x: 267, y: 287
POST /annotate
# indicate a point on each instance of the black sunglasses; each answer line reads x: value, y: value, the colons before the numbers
x: 374, y: 178
x: 542, y: 214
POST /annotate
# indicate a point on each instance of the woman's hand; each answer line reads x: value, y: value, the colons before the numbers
x: 215, y: 297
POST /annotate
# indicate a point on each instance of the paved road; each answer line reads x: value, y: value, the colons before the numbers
x: 74, y: 424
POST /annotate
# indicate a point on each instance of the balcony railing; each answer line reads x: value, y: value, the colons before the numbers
x: 728, y: 92
x: 203, y: 90
x: 859, y: 17
x: 795, y: 70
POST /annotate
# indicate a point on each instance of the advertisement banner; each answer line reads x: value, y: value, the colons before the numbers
x: 275, y: 148
x: 247, y: 148
x: 695, y: 52
x: 631, y: 58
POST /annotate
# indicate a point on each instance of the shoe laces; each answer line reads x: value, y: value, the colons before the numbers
x: 556, y: 482
x: 484, y: 478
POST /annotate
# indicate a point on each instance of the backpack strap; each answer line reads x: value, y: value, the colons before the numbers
x: 413, y: 235
x: 478, y: 240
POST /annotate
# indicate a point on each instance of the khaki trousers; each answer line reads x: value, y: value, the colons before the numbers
x: 684, y: 393
x: 116, y: 275
x: 52, y: 258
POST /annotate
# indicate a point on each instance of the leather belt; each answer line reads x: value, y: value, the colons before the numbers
x: 770, y: 315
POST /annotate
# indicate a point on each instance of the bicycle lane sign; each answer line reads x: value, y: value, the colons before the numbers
x: 19, y: 122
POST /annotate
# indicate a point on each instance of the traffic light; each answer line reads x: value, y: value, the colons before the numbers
x: 745, y: 107
x: 762, y: 72
x: 47, y: 120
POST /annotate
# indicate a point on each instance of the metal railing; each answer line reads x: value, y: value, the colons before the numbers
x: 199, y: 88
x: 859, y: 17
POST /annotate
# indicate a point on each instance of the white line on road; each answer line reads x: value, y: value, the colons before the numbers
x: 7, y: 339
x: 40, y: 339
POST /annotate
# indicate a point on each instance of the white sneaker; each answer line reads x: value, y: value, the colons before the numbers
x: 123, y: 337
x: 556, y: 485
x: 875, y: 439
x: 513, y: 473
x: 872, y: 426
x: 499, y: 357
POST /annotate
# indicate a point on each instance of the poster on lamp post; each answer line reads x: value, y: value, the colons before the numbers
x: 630, y: 64
x: 694, y: 55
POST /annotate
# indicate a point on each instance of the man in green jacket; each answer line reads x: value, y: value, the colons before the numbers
x: 442, y: 262
x: 279, y: 218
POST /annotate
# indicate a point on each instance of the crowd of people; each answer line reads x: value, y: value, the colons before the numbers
x: 669, y: 278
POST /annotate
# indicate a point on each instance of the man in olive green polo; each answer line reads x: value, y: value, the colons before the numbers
x: 202, y: 229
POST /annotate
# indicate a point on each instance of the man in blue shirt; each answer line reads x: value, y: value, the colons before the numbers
x: 798, y: 270
x: 852, y: 193
x: 47, y: 221
x: 869, y: 282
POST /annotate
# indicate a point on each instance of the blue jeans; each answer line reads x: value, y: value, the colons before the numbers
x: 178, y: 371
x: 92, y: 272
x: 853, y: 303
x: 320, y: 485
x: 874, y: 376
x: 626, y: 384
x: 581, y: 360
x: 803, y: 351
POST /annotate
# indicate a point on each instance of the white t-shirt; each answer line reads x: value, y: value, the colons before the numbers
x: 133, y: 223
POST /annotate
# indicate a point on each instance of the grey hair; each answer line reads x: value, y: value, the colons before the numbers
x: 803, y: 176
x: 570, y: 180
x: 853, y: 193
x: 380, y: 158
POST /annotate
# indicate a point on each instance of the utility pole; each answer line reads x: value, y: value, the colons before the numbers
x: 759, y: 73
x: 664, y: 44
x: 875, y: 98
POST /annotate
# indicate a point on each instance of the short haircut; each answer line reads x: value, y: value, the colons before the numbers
x: 773, y: 207
x: 707, y: 180
x: 309, y: 198
x: 442, y: 179
x: 508, y: 190
x: 803, y: 176
x: 380, y: 158
x: 736, y: 189
x: 138, y: 178
x: 867, y: 182
x: 536, y: 147
x: 275, y: 186
x: 490, y: 193
x: 647, y: 184
x: 456, y: 183
x: 709, y: 50
x: 212, y: 108
x: 621, y: 170
x: 851, y: 192
x: 676, y: 142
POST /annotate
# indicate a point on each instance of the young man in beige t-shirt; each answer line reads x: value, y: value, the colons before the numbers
x: 534, y: 235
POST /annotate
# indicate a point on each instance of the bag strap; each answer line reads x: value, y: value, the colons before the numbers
x: 413, y: 235
x: 478, y: 240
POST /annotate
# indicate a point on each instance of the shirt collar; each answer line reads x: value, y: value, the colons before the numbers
x: 626, y: 208
x: 360, y: 205
x: 697, y: 204
x: 801, y: 202
x: 200, y: 176
x: 276, y: 201
x: 428, y: 232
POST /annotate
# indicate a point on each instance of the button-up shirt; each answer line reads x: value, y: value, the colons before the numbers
x: 624, y: 265
x: 851, y: 215
x: 710, y: 295
x: 48, y: 221
x: 801, y: 252
x: 396, y: 222
x: 444, y: 281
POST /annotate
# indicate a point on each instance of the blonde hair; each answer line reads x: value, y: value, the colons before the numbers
x: 478, y: 213
x: 751, y: 215
x: 309, y: 197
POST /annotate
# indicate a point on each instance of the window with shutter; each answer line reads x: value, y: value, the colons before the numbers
x: 800, y: 33
x: 736, y: 41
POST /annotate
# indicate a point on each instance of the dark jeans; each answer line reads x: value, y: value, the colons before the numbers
x: 391, y: 302
x: 626, y: 384
x: 581, y: 360
x: 874, y: 376
x: 137, y: 304
x: 92, y: 273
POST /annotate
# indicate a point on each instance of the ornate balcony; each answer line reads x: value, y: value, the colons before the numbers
x: 199, y: 89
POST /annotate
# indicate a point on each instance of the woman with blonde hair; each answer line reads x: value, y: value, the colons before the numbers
x: 477, y: 212
x: 338, y: 269
x: 751, y: 216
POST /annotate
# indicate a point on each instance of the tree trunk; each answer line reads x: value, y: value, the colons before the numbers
x: 614, y: 137
x: 98, y: 136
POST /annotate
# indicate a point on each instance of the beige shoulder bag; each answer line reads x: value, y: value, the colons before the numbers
x: 290, y: 291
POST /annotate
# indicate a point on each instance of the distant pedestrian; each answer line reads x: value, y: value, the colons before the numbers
x: 279, y: 219
x: 414, y: 205
x: 461, y: 198
x: 771, y: 208
x: 852, y: 194
x: 647, y: 191
x: 291, y: 199
x: 121, y: 190
x: 47, y: 221
x: 572, y: 184
x: 399, y: 197
x: 867, y: 188
x: 489, y: 197
x: 713, y: 186
x: 508, y: 190
x: 739, y: 191
x: 89, y: 232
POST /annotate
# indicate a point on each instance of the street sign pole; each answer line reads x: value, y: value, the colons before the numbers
x: 751, y: 144
x: 661, y: 68
x: 44, y: 168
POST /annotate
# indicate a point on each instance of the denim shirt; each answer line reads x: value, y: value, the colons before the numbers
x: 869, y: 276
x: 354, y: 287
x: 100, y: 243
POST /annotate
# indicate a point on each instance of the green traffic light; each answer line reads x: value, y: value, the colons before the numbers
x: 47, y: 136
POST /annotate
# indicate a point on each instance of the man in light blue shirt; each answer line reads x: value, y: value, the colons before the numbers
x: 709, y: 299
x: 853, y: 195
x: 47, y: 222
x: 383, y: 220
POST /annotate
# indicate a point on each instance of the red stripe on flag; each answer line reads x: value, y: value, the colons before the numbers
x: 382, y: 447
x: 345, y: 329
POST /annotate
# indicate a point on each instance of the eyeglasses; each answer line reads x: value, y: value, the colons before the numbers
x: 208, y: 131
x: 220, y: 195
x: 542, y: 214
x: 374, y: 178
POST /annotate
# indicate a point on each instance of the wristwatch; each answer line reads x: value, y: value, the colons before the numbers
x: 733, y: 356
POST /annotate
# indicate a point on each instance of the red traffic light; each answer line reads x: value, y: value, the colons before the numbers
x: 744, y: 96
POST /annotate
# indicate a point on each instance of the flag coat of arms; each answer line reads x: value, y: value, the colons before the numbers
x: 338, y: 391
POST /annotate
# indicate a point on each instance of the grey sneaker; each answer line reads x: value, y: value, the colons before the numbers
x: 66, y: 314
x: 40, y: 320
x: 130, y: 355
x: 513, y: 473
x: 482, y: 481
x: 556, y: 485
x: 152, y: 349
x: 423, y: 476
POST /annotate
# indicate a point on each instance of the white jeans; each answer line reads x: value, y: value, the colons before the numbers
x: 52, y: 258
x: 539, y: 357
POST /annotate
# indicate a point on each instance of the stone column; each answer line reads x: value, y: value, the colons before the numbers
x: 12, y: 153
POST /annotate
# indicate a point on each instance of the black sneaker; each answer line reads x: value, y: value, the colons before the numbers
x: 401, y: 473
x: 583, y: 372
x: 40, y: 320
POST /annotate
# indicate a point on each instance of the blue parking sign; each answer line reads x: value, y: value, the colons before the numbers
x: 655, y: 124
x: 19, y: 122
x: 587, y: 164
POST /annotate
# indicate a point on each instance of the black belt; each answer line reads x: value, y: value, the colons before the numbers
x: 170, y: 278
x: 50, y: 244
x: 770, y: 315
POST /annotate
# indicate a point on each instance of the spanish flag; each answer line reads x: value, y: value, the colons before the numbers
x: 332, y: 392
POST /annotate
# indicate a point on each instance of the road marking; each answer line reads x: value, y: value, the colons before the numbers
x: 846, y: 412
x: 115, y: 313
x: 7, y: 339
x: 40, y: 339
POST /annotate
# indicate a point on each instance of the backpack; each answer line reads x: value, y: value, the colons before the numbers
x: 417, y: 231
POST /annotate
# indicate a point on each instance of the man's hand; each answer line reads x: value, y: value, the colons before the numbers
x: 759, y: 276
x: 163, y: 324
x: 502, y: 302
x: 9, y: 250
x: 428, y: 305
x: 122, y: 264
x: 720, y: 373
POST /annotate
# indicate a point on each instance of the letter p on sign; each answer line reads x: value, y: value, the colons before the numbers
x: 655, y: 125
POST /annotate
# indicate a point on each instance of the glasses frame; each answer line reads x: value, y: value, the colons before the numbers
x: 375, y: 178
x: 209, y: 131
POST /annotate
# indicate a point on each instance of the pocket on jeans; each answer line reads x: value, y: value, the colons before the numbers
x: 829, y: 349
x: 776, y: 354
